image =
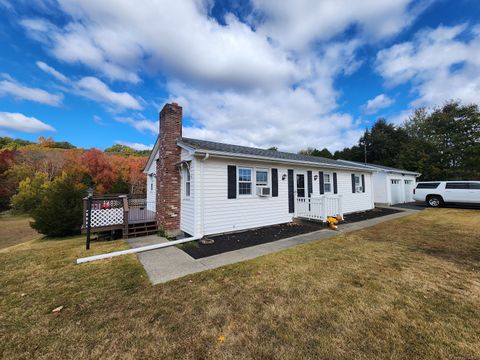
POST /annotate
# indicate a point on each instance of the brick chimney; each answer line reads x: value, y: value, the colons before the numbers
x: 168, y: 176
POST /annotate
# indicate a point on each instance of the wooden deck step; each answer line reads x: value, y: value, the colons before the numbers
x: 142, y: 229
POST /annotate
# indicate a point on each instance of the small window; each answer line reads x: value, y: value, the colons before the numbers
x: 327, y: 183
x: 395, y: 181
x: 244, y: 181
x: 427, y: 185
x: 474, y: 186
x: 187, y: 182
x: 261, y: 177
x: 358, y: 184
x: 457, y: 185
x: 151, y: 186
x: 408, y: 182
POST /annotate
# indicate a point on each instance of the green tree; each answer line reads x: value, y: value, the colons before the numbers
x: 445, y: 145
x: 60, y: 211
x: 124, y: 150
x: 30, y: 193
x: 315, y: 152
x: 120, y: 186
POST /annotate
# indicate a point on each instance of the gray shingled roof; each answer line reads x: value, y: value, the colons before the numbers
x: 245, y: 150
x: 382, y: 167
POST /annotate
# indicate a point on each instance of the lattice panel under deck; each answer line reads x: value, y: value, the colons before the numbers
x: 106, y: 217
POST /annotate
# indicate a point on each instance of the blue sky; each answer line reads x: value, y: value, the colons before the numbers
x: 291, y: 74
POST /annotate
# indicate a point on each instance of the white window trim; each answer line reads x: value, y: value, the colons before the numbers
x: 268, y: 177
x: 359, y: 188
x: 187, y: 179
x: 330, y: 182
x: 252, y: 181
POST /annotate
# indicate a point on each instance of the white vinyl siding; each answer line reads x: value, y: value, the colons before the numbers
x: 208, y: 210
x: 187, y: 203
x: 152, y: 186
x: 386, y: 192
x: 223, y: 215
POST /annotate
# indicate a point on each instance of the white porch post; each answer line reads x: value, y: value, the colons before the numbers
x: 340, y: 210
x: 324, y: 208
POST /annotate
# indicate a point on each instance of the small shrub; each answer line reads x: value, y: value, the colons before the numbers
x: 60, y: 210
x: 161, y: 231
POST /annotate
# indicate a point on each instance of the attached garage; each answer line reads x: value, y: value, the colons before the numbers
x: 390, y: 185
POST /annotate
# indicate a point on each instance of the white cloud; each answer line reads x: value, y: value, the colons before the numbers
x: 19, y: 91
x: 235, y: 54
x: 20, y: 122
x: 441, y: 64
x: 142, y: 125
x: 378, y: 102
x: 50, y: 70
x: 136, y: 146
x: 93, y: 88
x: 276, y: 76
x: 401, y: 117
x: 298, y: 23
x: 289, y: 119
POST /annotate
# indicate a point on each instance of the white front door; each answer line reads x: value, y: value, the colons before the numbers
x: 300, y: 184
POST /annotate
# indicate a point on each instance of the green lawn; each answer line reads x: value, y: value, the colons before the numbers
x: 404, y: 289
x: 15, y: 230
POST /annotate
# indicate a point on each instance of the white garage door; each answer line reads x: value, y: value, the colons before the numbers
x: 396, y: 189
x: 409, y: 185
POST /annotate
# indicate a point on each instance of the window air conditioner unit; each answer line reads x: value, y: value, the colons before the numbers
x: 263, y: 191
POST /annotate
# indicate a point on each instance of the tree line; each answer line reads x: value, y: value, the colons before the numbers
x: 442, y: 144
x: 48, y: 179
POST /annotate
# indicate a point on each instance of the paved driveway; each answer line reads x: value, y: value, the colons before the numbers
x: 421, y: 206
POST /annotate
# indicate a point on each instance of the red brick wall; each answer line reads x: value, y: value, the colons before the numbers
x: 168, y: 176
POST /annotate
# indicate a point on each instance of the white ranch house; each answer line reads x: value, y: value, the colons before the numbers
x: 198, y: 188
x: 216, y: 188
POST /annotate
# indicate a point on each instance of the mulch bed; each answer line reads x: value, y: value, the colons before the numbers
x: 370, y: 214
x: 234, y: 241
x: 239, y: 240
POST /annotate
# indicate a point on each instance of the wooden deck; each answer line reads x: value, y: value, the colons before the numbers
x: 133, y: 215
x: 136, y: 215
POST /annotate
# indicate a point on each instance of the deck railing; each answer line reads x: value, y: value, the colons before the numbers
x: 111, y: 212
x: 318, y: 207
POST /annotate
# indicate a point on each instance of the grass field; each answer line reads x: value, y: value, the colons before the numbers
x: 404, y: 289
x: 15, y: 230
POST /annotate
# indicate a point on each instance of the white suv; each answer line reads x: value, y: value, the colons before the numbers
x: 437, y: 193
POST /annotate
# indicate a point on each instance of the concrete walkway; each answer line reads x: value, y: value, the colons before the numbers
x: 170, y: 263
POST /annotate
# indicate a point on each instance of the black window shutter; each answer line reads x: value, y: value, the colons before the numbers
x: 274, y: 182
x: 309, y: 183
x: 335, y: 188
x: 322, y: 184
x: 353, y: 183
x: 291, y: 198
x: 232, y: 181
x: 363, y: 183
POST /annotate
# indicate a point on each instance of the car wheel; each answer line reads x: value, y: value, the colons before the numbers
x: 434, y: 201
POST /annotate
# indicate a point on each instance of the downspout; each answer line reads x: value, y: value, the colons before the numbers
x: 201, y: 230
